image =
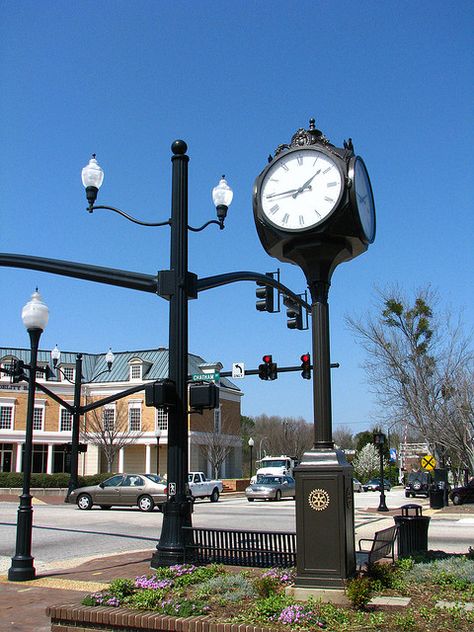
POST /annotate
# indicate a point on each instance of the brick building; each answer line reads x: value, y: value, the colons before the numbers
x: 52, y: 423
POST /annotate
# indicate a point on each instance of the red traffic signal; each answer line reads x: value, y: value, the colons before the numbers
x: 267, y: 370
x: 306, y: 366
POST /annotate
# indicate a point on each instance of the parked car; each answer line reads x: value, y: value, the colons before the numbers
x: 374, y: 485
x: 464, y: 494
x: 418, y: 484
x: 357, y: 485
x: 271, y: 488
x: 125, y: 490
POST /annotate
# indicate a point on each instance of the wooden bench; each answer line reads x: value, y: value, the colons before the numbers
x: 382, y: 546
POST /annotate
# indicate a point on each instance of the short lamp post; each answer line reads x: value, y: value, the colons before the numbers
x: 379, y: 440
x: 158, y: 435
x: 35, y: 316
x: 76, y: 415
x: 251, y: 444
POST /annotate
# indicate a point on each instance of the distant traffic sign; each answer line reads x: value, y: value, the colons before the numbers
x: 428, y: 462
x: 215, y: 376
x: 238, y: 370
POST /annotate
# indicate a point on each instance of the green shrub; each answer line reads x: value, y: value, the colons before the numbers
x: 272, y: 605
x: 229, y: 588
x: 122, y: 588
x: 359, y: 592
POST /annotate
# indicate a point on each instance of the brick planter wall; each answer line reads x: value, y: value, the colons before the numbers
x: 73, y: 618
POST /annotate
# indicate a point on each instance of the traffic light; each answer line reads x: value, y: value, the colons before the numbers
x: 306, y: 366
x: 267, y: 370
x: 264, y: 294
x: 294, y: 314
x: 17, y: 371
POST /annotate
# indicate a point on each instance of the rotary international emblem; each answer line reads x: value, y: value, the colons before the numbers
x: 318, y: 499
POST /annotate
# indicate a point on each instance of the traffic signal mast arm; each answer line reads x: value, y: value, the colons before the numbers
x: 280, y: 369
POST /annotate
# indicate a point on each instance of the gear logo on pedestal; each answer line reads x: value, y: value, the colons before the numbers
x: 318, y: 499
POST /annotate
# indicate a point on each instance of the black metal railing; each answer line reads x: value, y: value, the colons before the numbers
x: 240, y: 547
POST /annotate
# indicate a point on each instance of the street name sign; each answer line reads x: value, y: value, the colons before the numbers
x: 215, y: 376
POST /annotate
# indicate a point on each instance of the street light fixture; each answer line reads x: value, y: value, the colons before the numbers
x: 158, y: 435
x: 35, y: 315
x: 251, y: 444
x: 379, y: 440
x: 178, y: 285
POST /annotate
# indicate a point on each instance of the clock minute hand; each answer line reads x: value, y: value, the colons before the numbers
x: 306, y: 184
x: 272, y: 195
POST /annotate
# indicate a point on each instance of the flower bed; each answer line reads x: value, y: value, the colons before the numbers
x: 218, y: 599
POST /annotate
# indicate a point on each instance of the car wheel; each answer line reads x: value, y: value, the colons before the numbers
x: 105, y: 506
x: 457, y: 499
x: 277, y: 495
x: 145, y: 503
x: 214, y: 497
x: 84, y: 501
x: 417, y: 486
x: 250, y: 500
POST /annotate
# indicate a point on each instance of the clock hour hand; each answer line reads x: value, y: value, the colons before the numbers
x: 306, y: 185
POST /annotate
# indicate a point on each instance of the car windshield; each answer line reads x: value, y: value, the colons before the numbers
x: 273, y: 463
x: 270, y: 480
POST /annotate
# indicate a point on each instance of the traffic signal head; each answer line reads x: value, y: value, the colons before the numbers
x: 294, y: 314
x: 264, y: 294
x: 17, y: 371
x: 267, y: 370
x: 306, y: 366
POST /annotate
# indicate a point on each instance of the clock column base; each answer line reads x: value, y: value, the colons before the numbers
x: 324, y: 520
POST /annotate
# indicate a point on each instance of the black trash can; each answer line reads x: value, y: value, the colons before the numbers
x: 412, y: 531
x: 436, y: 497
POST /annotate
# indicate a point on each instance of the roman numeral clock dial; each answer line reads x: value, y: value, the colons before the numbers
x: 301, y: 189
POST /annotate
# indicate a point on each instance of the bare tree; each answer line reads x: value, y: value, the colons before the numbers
x: 110, y: 430
x: 282, y: 435
x: 343, y: 437
x: 215, y: 449
x: 421, y: 369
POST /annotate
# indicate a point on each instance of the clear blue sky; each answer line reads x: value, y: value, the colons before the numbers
x: 234, y: 80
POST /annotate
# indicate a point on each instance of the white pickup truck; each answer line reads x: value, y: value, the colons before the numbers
x: 201, y: 487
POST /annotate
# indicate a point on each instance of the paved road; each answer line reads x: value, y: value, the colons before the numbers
x: 62, y: 533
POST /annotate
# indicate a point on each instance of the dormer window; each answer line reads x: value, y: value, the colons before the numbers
x: 67, y: 373
x: 136, y: 372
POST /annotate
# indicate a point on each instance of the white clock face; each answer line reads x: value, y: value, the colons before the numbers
x: 364, y: 199
x: 301, y: 189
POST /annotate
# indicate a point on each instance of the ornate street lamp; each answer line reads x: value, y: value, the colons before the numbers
x: 158, y: 435
x: 76, y: 415
x: 178, y: 285
x: 251, y: 444
x: 35, y: 315
x: 379, y: 440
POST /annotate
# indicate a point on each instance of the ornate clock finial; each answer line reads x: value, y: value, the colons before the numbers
x: 304, y: 137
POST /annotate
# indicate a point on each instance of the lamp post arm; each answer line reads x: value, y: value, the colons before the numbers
x: 211, y: 221
x: 98, y: 274
x: 208, y: 283
x: 129, y: 217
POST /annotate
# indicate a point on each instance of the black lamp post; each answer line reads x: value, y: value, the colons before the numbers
x: 251, y: 444
x: 379, y: 440
x: 35, y: 316
x: 178, y: 285
x: 76, y: 415
x: 158, y: 435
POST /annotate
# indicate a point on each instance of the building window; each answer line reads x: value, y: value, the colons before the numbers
x: 161, y: 419
x: 65, y: 421
x: 38, y: 416
x: 6, y: 417
x: 67, y: 374
x: 135, y: 417
x: 108, y: 419
x: 135, y: 372
x: 217, y: 420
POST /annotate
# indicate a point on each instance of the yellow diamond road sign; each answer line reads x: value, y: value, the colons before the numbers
x: 428, y: 462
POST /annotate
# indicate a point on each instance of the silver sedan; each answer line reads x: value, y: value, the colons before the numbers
x: 271, y: 488
x: 126, y: 490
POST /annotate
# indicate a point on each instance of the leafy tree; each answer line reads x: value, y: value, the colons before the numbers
x: 421, y: 368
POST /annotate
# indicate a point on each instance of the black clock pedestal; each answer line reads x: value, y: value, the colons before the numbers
x: 324, y: 521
